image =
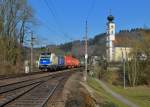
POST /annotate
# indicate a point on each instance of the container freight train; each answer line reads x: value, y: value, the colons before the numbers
x: 51, y: 62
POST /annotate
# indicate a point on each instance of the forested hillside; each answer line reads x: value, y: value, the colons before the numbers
x: 96, y: 45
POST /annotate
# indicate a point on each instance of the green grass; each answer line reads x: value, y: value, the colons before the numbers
x: 109, y: 100
x: 139, y: 95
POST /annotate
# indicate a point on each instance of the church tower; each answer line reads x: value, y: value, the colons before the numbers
x: 110, y: 38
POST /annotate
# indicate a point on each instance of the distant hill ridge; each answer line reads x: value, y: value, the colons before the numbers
x: 96, y: 45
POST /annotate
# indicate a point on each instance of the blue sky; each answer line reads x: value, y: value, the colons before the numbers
x: 66, y: 22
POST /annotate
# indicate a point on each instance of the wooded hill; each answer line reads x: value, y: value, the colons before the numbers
x: 96, y: 45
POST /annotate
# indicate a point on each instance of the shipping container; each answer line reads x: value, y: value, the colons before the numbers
x: 61, y: 61
x: 54, y: 59
x: 71, y: 62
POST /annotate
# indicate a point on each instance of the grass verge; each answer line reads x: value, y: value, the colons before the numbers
x: 108, y: 100
x: 139, y: 95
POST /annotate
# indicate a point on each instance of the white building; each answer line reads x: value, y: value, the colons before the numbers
x: 110, y: 38
x: 121, y: 53
x: 113, y: 53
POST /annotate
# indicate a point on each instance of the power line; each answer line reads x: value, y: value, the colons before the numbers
x: 51, y: 10
x: 59, y: 25
x: 90, y: 9
x: 47, y: 26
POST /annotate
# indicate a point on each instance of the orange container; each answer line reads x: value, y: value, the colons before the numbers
x: 71, y: 62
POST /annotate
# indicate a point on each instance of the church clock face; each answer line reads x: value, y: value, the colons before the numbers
x: 112, y: 29
x: 112, y: 26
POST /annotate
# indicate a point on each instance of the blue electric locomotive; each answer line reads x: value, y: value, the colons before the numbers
x: 45, y: 61
x: 51, y: 62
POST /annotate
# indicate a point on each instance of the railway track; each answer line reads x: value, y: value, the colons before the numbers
x: 8, y: 81
x: 32, y: 92
x: 9, y: 76
x: 2, y: 77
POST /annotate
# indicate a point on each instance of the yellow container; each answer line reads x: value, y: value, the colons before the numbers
x: 54, y: 59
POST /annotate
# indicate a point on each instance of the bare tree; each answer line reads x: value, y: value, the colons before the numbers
x: 138, y: 67
x: 15, y: 17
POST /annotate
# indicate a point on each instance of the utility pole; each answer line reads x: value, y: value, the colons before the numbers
x: 32, y: 44
x: 124, y: 70
x: 86, y: 53
x: 124, y: 74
